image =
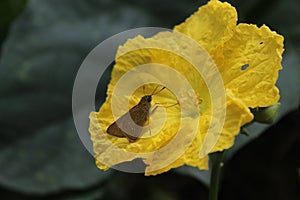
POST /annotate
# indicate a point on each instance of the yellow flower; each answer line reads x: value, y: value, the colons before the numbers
x: 248, y: 59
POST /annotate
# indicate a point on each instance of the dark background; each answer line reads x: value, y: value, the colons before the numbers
x: 43, y: 43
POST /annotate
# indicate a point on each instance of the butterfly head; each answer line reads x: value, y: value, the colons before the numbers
x: 147, y: 98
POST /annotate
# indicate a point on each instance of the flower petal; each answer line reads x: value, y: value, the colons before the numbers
x: 252, y: 59
x: 211, y: 25
x: 237, y: 115
x: 156, y: 163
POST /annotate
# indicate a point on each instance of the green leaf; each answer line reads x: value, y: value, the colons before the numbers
x: 40, y: 151
x: 201, y: 175
x: 51, y: 159
x: 266, y: 115
x: 9, y: 9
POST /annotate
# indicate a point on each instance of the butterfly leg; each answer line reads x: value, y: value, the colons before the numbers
x: 153, y: 109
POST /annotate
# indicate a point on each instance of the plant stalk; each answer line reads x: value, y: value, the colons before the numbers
x: 215, y: 176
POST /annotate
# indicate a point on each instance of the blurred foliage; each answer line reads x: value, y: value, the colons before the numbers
x: 9, y: 9
x: 41, y: 156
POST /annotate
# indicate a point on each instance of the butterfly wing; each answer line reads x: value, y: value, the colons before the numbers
x: 130, y: 125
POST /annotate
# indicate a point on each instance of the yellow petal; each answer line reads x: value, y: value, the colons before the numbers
x: 177, y: 154
x: 237, y: 115
x: 259, y: 50
x: 202, y: 164
x: 211, y: 25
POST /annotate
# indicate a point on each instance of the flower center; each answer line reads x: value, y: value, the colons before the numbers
x: 190, y: 102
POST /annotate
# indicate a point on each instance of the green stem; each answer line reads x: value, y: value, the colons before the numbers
x: 215, y: 176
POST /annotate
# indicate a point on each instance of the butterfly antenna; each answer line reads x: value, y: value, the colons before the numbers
x: 158, y: 91
x: 154, y: 90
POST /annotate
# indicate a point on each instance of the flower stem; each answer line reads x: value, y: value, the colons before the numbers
x: 215, y: 176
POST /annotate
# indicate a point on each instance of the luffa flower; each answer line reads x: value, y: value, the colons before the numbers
x: 248, y: 59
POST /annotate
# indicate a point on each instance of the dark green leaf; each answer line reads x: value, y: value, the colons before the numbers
x: 53, y: 158
x: 9, y: 9
x: 40, y: 151
x: 201, y: 175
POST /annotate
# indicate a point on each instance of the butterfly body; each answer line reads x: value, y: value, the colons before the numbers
x: 130, y: 125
